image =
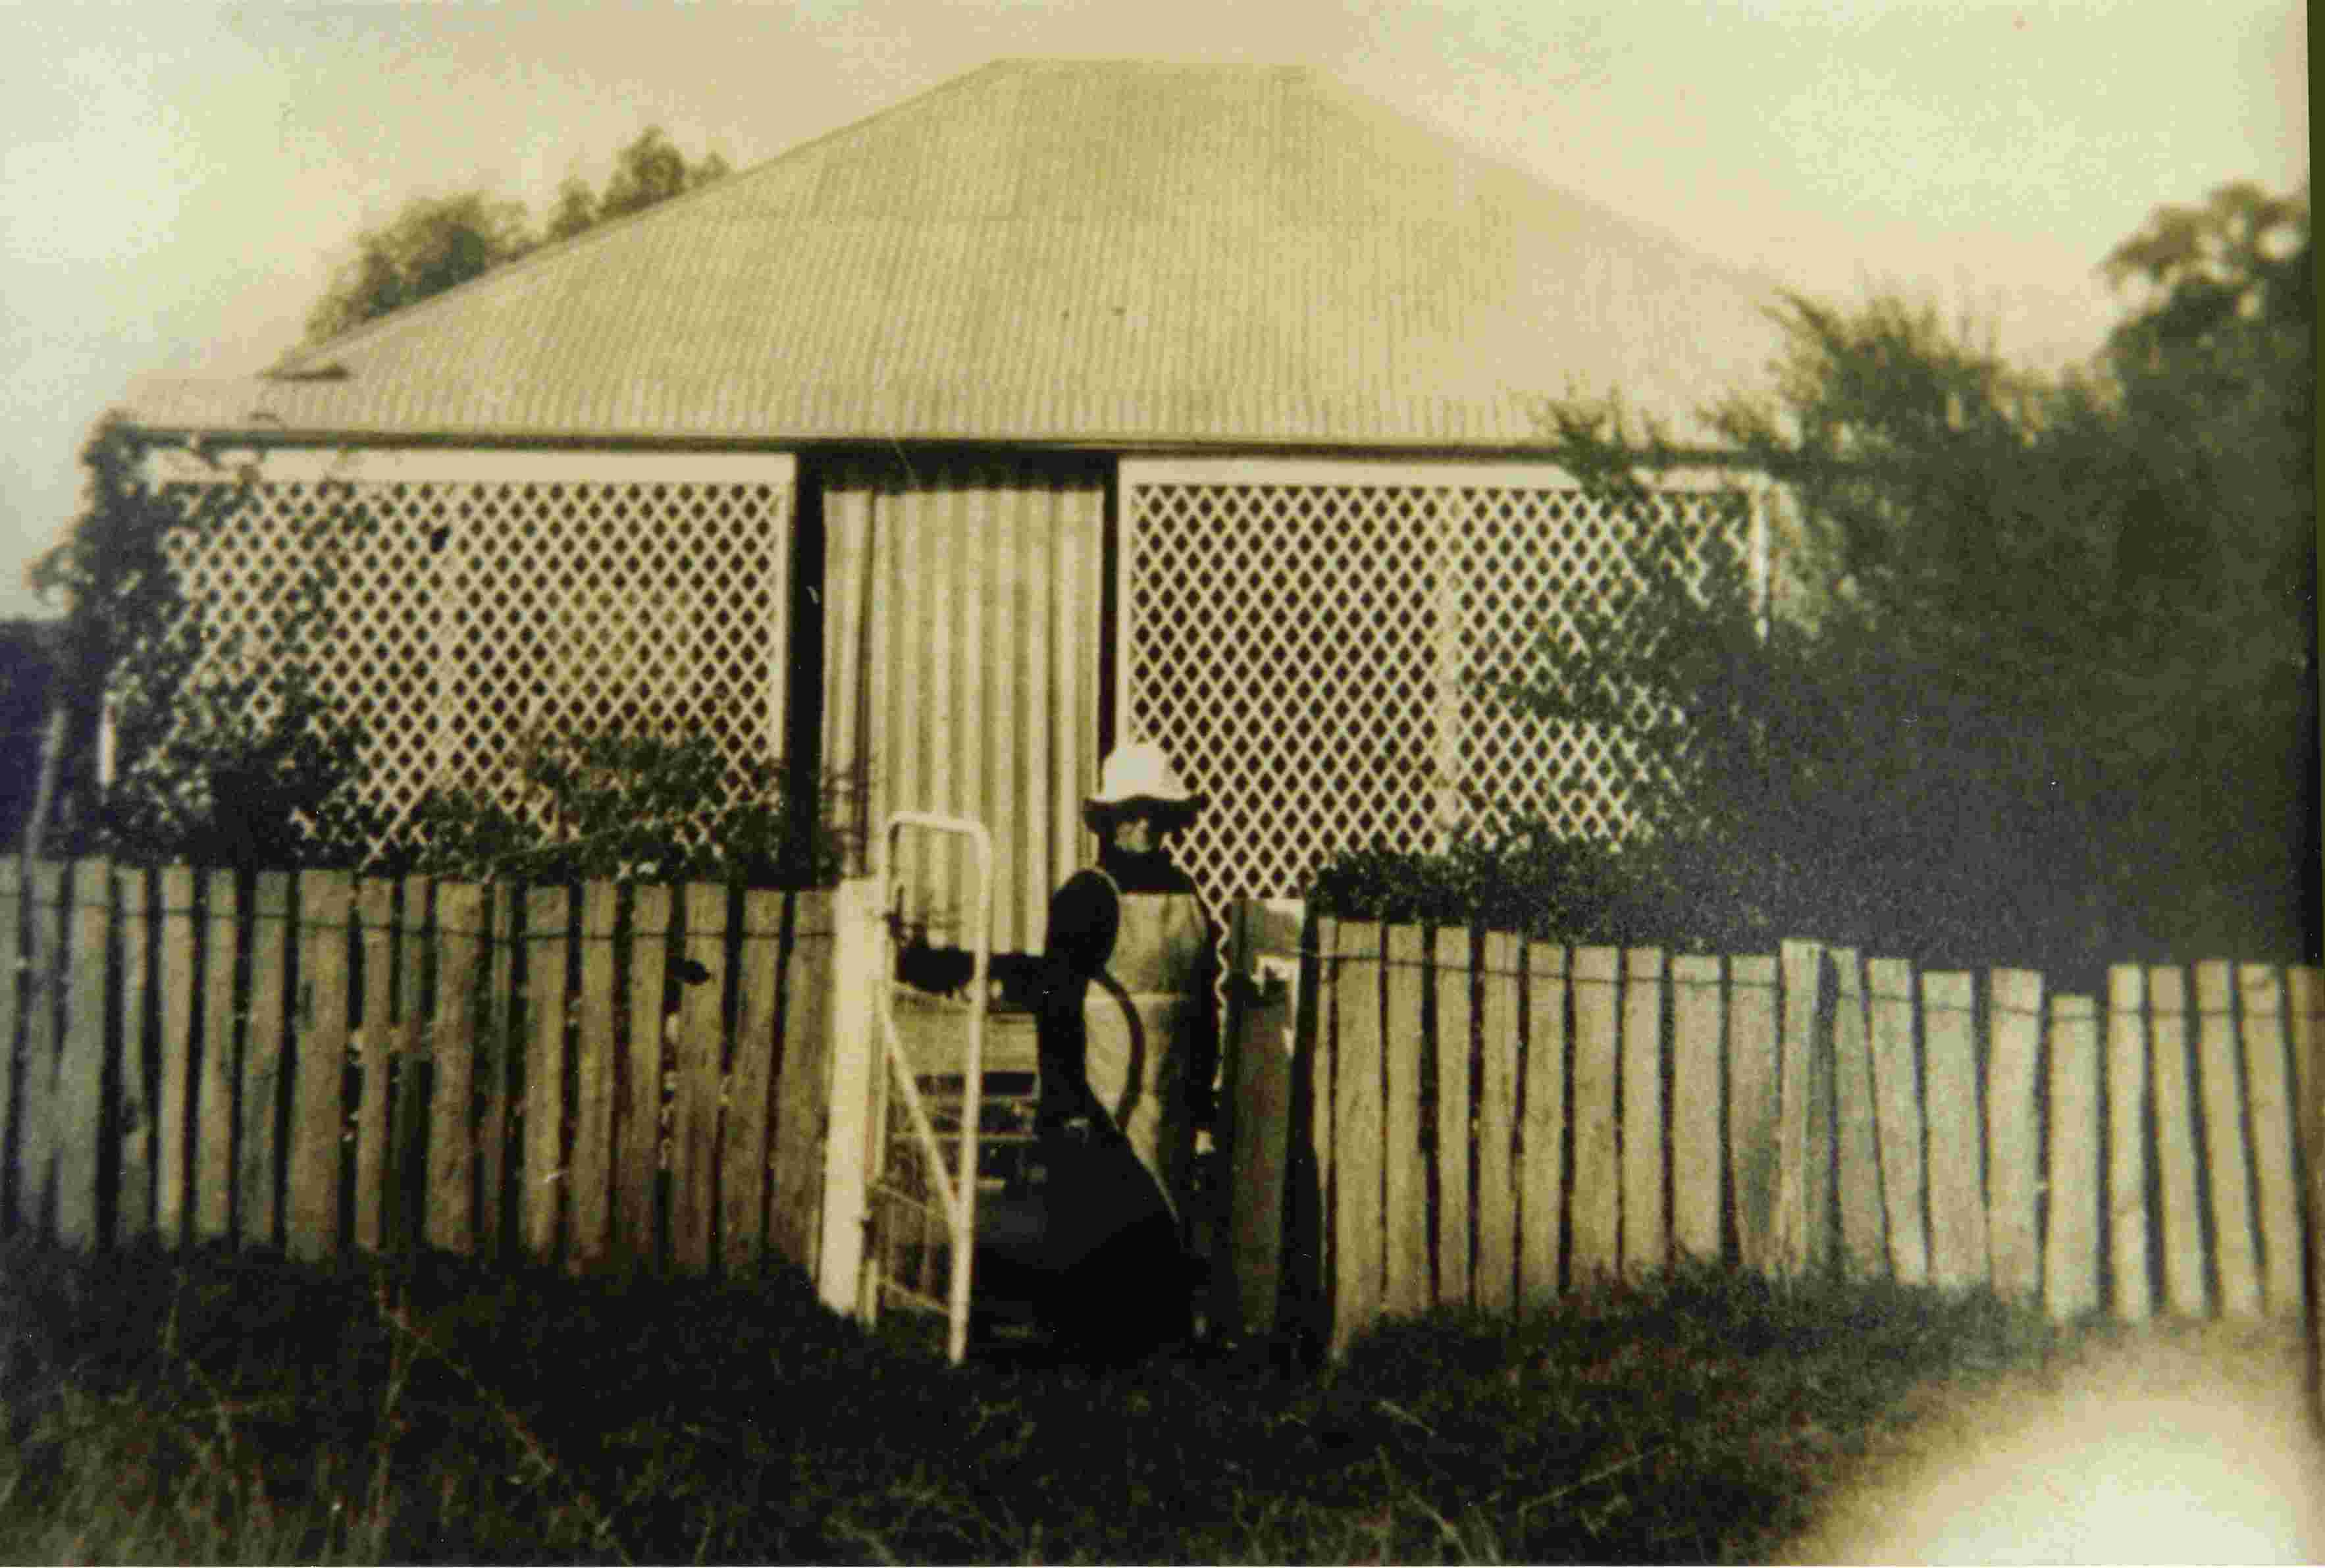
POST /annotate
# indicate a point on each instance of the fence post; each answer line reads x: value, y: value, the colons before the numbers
x: 1264, y: 949
x: 856, y: 1060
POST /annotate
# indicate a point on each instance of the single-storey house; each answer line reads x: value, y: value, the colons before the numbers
x: 1066, y: 404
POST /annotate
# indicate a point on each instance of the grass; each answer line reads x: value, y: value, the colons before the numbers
x: 214, y: 1406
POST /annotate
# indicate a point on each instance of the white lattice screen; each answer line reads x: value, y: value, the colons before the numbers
x: 1305, y: 640
x: 477, y: 599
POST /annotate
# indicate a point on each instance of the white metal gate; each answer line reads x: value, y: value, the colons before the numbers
x: 1306, y: 639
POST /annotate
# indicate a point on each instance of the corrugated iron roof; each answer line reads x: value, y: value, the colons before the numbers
x: 1110, y: 252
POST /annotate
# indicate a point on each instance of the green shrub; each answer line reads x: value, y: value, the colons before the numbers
x: 620, y: 807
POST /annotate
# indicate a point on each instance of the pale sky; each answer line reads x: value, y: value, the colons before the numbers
x: 178, y: 180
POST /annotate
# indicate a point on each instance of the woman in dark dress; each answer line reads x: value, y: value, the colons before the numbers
x: 1128, y: 1033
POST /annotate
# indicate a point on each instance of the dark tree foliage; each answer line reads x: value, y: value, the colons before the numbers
x: 219, y: 757
x: 437, y: 243
x: 2039, y: 686
x: 621, y: 806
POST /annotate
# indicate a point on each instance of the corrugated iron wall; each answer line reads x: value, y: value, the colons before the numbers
x: 961, y: 637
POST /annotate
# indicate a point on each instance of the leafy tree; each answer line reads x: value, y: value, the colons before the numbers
x: 222, y: 758
x: 2045, y: 690
x: 437, y: 243
x: 434, y: 244
x: 651, y: 171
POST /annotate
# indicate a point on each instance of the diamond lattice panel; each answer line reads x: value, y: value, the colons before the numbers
x: 466, y: 615
x: 1308, y: 652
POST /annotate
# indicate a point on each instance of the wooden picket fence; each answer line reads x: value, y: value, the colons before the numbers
x: 1490, y: 1121
x: 606, y: 1077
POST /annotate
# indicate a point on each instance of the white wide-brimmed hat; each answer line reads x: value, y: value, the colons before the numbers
x: 1140, y: 773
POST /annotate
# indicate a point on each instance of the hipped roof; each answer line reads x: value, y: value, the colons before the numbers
x: 1110, y: 254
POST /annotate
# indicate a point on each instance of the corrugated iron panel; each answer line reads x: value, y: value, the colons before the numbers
x: 1087, y: 251
x: 960, y: 666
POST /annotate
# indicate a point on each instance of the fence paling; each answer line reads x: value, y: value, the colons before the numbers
x: 2012, y: 1153
x: 639, y: 1155
x: 262, y: 1074
x: 81, y: 1058
x: 1957, y: 1243
x: 13, y: 971
x: 2269, y: 1098
x: 2176, y: 1135
x: 1498, y: 1081
x: 1751, y: 1109
x: 1449, y: 980
x: 217, y: 1062
x: 451, y: 1221
x: 414, y: 1068
x: 1357, y: 1119
x: 589, y: 1184
x: 36, y: 1140
x: 803, y: 1085
x: 177, y: 976
x: 134, y: 1192
x: 2235, y: 1258
x: 1696, y: 1047
x: 1598, y: 1170
x: 2127, y: 1100
x: 694, y: 1117
x: 1405, y: 1178
x: 1804, y: 1101
x: 1541, y: 1180
x: 1897, y: 1111
x: 746, y: 1147
x: 540, y: 1201
x: 1856, y: 1141
x: 2070, y: 1255
x: 1644, y: 1243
